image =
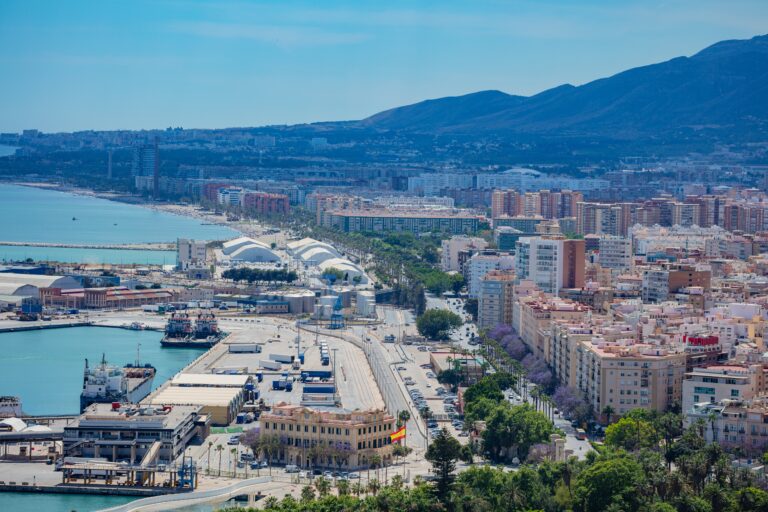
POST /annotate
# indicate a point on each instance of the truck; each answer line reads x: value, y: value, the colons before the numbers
x: 323, y: 374
x: 319, y: 387
x: 270, y: 365
x: 282, y: 384
x: 282, y: 358
x: 244, y: 348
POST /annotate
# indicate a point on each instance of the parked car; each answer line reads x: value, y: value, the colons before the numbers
x: 234, y: 440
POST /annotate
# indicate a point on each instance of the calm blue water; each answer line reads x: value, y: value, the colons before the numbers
x: 7, y: 150
x: 39, y: 215
x: 45, y: 367
x: 29, y: 502
x: 71, y: 255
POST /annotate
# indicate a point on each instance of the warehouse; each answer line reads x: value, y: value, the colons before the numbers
x: 221, y: 404
x: 29, y: 285
x: 211, y: 380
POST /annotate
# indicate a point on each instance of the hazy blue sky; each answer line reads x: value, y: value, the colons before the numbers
x: 72, y: 65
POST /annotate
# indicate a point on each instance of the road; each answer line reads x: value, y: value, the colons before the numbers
x: 466, y: 332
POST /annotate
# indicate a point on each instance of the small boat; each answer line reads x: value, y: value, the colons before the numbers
x: 74, y: 218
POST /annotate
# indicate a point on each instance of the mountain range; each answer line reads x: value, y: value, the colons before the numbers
x: 723, y: 88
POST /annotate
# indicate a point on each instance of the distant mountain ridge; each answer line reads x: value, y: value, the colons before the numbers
x: 723, y: 87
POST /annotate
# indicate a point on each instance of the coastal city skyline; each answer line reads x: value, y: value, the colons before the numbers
x: 149, y: 65
x: 518, y: 262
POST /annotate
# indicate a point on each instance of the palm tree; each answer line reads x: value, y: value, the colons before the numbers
x: 342, y: 486
x: 374, y: 486
x: 233, y: 452
x: 403, y: 417
x: 307, y: 493
x: 608, y: 411
x: 322, y: 485
x: 376, y: 462
x: 210, y: 445
x: 357, y: 488
x: 220, y: 449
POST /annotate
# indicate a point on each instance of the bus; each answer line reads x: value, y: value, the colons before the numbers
x: 581, y: 434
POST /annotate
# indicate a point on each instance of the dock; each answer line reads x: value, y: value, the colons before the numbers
x: 149, y: 246
x: 43, y: 325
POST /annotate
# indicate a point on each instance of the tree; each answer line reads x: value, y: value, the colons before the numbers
x: 403, y: 417
x: 443, y: 453
x: 220, y: 449
x: 608, y: 482
x: 631, y: 434
x: 323, y: 486
x: 607, y: 412
x: 307, y: 493
x: 342, y: 486
x: 510, y: 429
x: 437, y: 324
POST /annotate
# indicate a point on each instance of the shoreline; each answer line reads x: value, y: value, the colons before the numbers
x: 190, y: 211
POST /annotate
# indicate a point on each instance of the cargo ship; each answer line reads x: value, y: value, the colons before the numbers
x: 179, y: 332
x: 107, y: 383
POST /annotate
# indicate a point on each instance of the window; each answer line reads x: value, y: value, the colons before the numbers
x: 735, y: 392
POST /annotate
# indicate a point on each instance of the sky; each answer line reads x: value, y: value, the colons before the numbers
x: 139, y: 64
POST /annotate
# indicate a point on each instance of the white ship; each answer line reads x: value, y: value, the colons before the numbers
x: 107, y: 383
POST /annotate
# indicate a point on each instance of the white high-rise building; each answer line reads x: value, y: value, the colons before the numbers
x: 190, y: 253
x: 231, y: 196
x: 479, y: 265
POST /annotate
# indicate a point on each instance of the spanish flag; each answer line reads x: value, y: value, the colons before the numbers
x: 397, y: 434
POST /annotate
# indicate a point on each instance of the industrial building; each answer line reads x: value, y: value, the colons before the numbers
x: 220, y: 396
x: 249, y: 250
x: 29, y: 285
x: 135, y: 434
x: 104, y: 298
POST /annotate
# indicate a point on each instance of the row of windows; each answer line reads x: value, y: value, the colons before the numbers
x: 330, y: 430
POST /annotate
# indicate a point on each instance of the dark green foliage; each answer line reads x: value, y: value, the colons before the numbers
x: 437, y: 324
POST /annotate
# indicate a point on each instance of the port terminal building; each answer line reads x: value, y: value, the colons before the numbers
x: 134, y: 434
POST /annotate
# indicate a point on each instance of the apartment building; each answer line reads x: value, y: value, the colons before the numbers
x: 615, y: 253
x: 534, y: 315
x: 626, y: 375
x: 505, y: 203
x: 728, y: 381
x: 452, y: 248
x: 551, y: 262
x: 329, y: 438
x: 480, y: 264
x: 415, y: 222
x: 495, y: 301
x: 734, y: 424
x: 265, y: 203
x: 661, y: 281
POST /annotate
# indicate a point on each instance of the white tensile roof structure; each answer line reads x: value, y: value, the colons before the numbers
x: 233, y: 245
x: 29, y: 284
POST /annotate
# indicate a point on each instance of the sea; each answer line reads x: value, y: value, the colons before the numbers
x: 45, y: 367
x: 40, y: 215
x: 30, y: 502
